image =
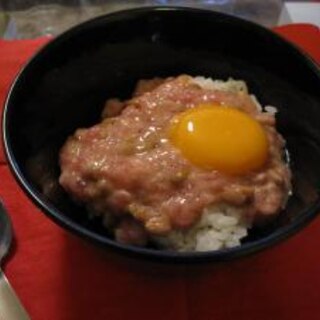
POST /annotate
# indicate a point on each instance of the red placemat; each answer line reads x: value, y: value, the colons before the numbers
x: 61, y: 277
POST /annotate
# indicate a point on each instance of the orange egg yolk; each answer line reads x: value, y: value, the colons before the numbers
x: 220, y: 138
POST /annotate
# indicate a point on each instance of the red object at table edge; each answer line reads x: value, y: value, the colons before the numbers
x: 61, y: 277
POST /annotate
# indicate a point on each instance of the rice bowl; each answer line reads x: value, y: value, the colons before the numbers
x: 109, y: 54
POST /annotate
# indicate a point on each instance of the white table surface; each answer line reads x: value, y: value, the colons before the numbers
x: 300, y: 12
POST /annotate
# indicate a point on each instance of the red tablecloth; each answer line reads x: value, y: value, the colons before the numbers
x: 61, y: 277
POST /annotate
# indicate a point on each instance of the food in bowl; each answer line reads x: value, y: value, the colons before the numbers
x: 188, y: 163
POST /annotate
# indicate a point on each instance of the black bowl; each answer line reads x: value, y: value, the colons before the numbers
x: 65, y: 85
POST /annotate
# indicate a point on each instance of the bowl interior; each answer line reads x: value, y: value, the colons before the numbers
x: 65, y: 86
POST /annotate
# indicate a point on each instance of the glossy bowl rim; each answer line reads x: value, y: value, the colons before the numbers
x: 150, y: 254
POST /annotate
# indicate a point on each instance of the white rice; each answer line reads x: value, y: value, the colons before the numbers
x: 220, y: 227
x: 232, y: 85
x: 229, y: 85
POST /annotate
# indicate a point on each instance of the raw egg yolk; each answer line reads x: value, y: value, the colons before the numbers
x: 220, y: 138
